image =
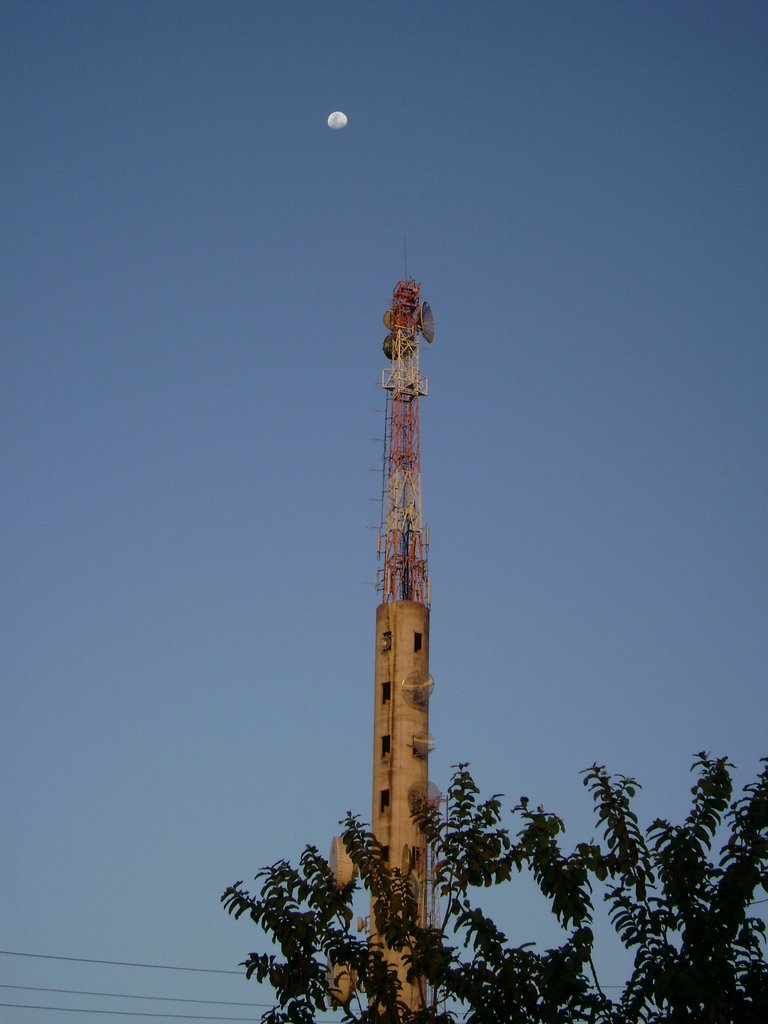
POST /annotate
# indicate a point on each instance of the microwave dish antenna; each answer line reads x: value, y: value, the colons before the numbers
x: 426, y: 322
x: 417, y: 689
x: 421, y: 793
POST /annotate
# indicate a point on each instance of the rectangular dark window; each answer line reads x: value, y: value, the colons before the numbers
x: 385, y: 745
x: 417, y: 641
x: 384, y: 800
x: 385, y: 854
x: 386, y: 692
x: 415, y: 856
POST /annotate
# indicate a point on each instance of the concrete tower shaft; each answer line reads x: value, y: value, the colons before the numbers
x: 401, y: 732
x: 401, y: 745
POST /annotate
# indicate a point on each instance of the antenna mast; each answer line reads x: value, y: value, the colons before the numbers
x: 403, y: 576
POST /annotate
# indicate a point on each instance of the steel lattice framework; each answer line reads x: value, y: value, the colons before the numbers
x: 403, y: 576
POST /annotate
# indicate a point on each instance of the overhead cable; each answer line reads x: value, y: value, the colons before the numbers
x: 134, y: 1013
x: 119, y: 1013
x: 126, y: 995
x: 120, y: 963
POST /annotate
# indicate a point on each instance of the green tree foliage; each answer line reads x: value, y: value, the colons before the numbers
x: 684, y: 910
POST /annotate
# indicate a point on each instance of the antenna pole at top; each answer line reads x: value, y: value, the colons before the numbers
x: 405, y: 257
x: 403, y: 576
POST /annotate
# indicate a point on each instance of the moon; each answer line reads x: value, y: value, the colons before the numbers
x: 337, y: 120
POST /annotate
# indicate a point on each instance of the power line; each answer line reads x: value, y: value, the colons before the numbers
x: 125, y: 995
x: 121, y: 995
x: 129, y: 1013
x: 121, y: 963
x: 119, y: 1013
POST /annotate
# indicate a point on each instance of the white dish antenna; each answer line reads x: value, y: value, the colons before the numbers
x: 417, y: 689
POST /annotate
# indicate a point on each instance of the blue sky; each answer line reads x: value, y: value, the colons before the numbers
x: 195, y: 269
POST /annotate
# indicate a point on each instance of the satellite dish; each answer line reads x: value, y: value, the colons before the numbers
x: 424, y: 793
x: 417, y: 689
x: 423, y: 745
x: 341, y: 865
x: 426, y: 322
x: 388, y: 321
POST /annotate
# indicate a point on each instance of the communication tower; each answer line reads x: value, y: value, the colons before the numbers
x: 402, y: 681
x: 403, y: 684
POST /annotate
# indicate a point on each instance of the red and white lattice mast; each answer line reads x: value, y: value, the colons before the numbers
x: 403, y: 576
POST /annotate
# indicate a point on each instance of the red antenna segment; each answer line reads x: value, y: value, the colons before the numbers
x: 403, y: 576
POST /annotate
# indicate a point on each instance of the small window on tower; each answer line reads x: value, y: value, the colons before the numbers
x: 386, y: 640
x: 384, y: 800
x: 385, y: 854
x: 386, y: 746
x: 417, y: 641
x: 415, y: 856
x: 386, y: 692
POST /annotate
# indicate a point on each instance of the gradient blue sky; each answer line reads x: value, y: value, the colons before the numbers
x: 195, y: 269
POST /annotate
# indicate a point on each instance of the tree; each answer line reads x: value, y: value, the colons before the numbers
x: 685, y: 913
